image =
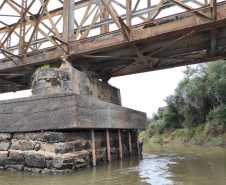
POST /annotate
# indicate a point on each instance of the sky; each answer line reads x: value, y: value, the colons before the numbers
x: 144, y: 92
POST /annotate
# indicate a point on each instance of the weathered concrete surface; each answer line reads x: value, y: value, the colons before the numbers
x: 70, y: 80
x: 66, y: 111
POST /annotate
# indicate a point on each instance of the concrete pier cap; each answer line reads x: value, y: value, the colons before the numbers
x: 67, y: 99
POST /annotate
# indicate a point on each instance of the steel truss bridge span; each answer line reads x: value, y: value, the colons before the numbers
x: 107, y: 38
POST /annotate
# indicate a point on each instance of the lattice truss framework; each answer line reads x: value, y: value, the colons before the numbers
x: 106, y: 38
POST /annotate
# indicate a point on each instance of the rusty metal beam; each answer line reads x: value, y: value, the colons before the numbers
x: 78, y: 5
x: 186, y: 7
x: 37, y: 24
x: 213, y: 41
x: 214, y: 9
x: 68, y: 21
x: 22, y: 44
x: 128, y: 12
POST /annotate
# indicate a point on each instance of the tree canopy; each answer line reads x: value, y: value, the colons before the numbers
x: 200, y: 97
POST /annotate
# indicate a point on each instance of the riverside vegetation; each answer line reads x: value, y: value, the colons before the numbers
x: 196, y: 112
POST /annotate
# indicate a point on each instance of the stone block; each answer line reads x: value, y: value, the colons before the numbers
x: 27, y: 169
x: 86, y: 145
x: 113, y: 150
x: 64, y: 148
x: 15, y: 158
x: 35, y: 160
x: 5, y: 145
x: 36, y: 170
x: 11, y: 169
x: 56, y: 137
x: 5, y: 136
x: 15, y: 144
x: 78, y: 145
x: 37, y: 147
x: 63, y: 162
x: 80, y: 163
x: 101, y: 155
x: 38, y: 136
x: 48, y: 147
x: 22, y: 136
x: 27, y: 145
x: 83, y: 154
x: 14, y: 167
x: 3, y: 157
x: 47, y: 172
x: 49, y: 164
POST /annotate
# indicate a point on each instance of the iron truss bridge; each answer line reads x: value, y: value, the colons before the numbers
x: 107, y: 38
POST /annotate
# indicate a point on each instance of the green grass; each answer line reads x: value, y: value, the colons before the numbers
x: 142, y: 135
x: 204, y: 133
x: 157, y: 139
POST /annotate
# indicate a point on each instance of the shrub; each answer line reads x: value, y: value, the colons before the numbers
x: 218, y: 115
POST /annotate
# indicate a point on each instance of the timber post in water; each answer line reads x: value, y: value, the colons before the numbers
x: 72, y: 121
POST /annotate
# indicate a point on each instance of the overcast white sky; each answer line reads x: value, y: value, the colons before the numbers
x: 144, y: 92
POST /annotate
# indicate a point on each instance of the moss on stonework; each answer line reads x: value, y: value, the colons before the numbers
x: 47, y: 66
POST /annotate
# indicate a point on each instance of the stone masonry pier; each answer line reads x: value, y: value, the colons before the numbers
x: 72, y: 121
x: 60, y: 152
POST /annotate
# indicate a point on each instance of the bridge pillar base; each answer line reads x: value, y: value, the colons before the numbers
x: 72, y: 121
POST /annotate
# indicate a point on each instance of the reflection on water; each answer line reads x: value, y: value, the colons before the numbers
x: 160, y: 164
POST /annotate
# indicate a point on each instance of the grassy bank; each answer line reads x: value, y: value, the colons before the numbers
x: 205, y: 134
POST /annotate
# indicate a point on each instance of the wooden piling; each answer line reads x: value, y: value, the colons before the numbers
x: 108, y: 146
x: 93, y: 148
x: 130, y: 144
x: 120, y: 144
x: 138, y: 145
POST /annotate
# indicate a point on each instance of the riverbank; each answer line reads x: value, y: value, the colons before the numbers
x: 205, y: 135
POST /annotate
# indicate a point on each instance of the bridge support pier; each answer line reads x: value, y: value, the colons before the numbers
x: 72, y: 121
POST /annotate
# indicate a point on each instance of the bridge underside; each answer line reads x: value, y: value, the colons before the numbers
x: 191, y: 37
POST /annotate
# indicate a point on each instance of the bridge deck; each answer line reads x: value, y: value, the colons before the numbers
x: 189, y: 37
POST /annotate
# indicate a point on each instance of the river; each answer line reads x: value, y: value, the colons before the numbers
x: 160, y: 164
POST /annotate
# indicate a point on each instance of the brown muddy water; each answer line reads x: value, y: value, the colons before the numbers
x: 160, y: 164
